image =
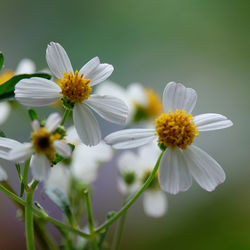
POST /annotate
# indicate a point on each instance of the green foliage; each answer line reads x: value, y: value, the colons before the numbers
x: 1, y: 60
x: 33, y: 115
x: 7, y: 88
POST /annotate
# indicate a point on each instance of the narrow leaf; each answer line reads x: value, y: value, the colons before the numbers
x: 33, y: 115
x: 1, y: 60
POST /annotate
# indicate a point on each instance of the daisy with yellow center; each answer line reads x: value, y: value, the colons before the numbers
x: 175, y: 130
x: 74, y: 88
x: 43, y: 147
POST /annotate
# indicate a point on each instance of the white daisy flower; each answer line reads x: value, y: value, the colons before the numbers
x: 176, y: 130
x: 74, y: 89
x: 143, y: 103
x: 135, y: 170
x: 46, y: 142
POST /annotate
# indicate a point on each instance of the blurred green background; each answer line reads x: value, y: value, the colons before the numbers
x: 203, y: 44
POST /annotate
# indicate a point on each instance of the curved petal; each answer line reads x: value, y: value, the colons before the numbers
x: 3, y: 174
x: 210, y: 121
x: 4, y: 111
x: 109, y: 108
x: 58, y: 60
x: 53, y: 121
x: 62, y: 148
x: 99, y: 73
x: 25, y: 66
x: 37, y: 92
x: 154, y: 203
x: 86, y: 125
x: 89, y: 66
x: 177, y: 96
x: 21, y: 152
x: 40, y: 166
x: 130, y: 138
x: 174, y: 176
x: 205, y: 170
x: 6, y: 145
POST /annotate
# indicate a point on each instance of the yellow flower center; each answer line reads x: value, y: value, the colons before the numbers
x: 74, y: 87
x: 42, y: 142
x: 176, y: 129
x: 5, y: 76
x: 154, y: 103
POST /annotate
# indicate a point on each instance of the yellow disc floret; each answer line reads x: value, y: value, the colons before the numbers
x: 5, y: 76
x: 154, y: 103
x: 42, y: 142
x: 176, y: 129
x: 74, y: 87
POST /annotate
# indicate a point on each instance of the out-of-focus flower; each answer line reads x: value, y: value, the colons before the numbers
x: 74, y: 88
x: 134, y: 170
x: 144, y: 103
x: 46, y: 142
x: 176, y: 130
x: 3, y: 174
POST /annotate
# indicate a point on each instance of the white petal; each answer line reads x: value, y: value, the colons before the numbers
x: 21, y: 152
x: 86, y: 125
x: 40, y: 166
x: 25, y: 66
x: 205, y: 170
x: 37, y: 92
x: 127, y: 162
x: 177, y: 96
x: 35, y: 125
x: 89, y: 66
x: 4, y: 111
x: 6, y: 145
x: 62, y: 148
x: 154, y: 203
x: 130, y: 138
x: 3, y: 175
x: 210, y: 121
x: 72, y: 136
x: 174, y: 176
x: 53, y: 121
x: 58, y: 60
x: 100, y: 73
x: 109, y: 108
x: 136, y: 93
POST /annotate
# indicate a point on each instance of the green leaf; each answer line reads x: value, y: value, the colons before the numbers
x: 7, y: 88
x: 33, y: 115
x: 1, y: 60
x: 2, y: 134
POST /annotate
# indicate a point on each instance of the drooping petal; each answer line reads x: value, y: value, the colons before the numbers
x: 204, y: 169
x: 130, y: 138
x: 58, y: 60
x: 89, y: 66
x: 37, y: 92
x: 62, y: 148
x: 154, y: 203
x: 4, y: 111
x: 25, y: 66
x: 177, y: 96
x: 53, y: 121
x: 6, y: 145
x: 210, y: 121
x: 40, y: 166
x: 3, y: 174
x: 86, y: 125
x: 174, y: 176
x: 109, y: 108
x: 21, y: 152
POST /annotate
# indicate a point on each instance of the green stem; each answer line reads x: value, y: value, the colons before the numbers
x: 132, y: 200
x: 65, y: 115
x: 120, y: 231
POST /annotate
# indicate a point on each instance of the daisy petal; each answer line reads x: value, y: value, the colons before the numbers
x: 3, y: 175
x: 25, y: 66
x: 21, y: 152
x: 62, y: 148
x: 40, y: 166
x: 109, y: 108
x: 177, y: 96
x: 89, y: 66
x: 37, y: 92
x: 154, y: 203
x: 86, y: 125
x: 210, y: 121
x: 130, y: 138
x: 4, y: 111
x: 6, y: 145
x: 58, y: 60
x: 53, y: 121
x: 174, y: 176
x: 205, y: 170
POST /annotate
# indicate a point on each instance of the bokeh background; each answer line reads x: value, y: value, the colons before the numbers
x: 203, y: 44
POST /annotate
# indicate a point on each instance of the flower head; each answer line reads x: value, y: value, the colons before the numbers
x: 74, y: 88
x: 175, y: 131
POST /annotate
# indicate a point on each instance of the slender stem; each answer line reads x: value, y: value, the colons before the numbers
x: 29, y: 225
x: 132, y: 200
x: 65, y: 115
x: 120, y: 231
x: 42, y: 215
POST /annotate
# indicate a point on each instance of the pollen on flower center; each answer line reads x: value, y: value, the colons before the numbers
x: 176, y: 129
x: 74, y: 87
